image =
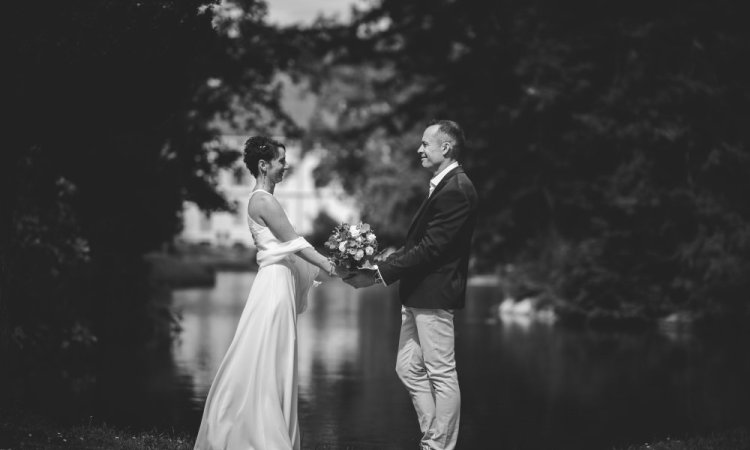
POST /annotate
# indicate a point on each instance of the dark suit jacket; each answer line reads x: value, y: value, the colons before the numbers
x: 433, y: 264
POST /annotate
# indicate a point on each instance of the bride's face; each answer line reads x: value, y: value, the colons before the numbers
x: 277, y: 167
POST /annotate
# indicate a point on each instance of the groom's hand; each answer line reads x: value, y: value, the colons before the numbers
x: 361, y: 278
x: 385, y: 254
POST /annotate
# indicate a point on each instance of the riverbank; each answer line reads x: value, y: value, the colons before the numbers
x: 196, y: 265
x: 519, y: 294
x: 518, y: 298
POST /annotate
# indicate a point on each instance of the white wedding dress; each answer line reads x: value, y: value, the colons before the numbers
x: 252, y: 403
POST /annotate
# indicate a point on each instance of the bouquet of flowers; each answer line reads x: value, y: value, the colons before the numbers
x: 352, y: 246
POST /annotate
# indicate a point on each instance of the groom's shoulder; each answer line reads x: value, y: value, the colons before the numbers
x: 459, y: 189
x: 463, y: 182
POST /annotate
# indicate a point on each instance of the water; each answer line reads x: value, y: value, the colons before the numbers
x: 524, y: 385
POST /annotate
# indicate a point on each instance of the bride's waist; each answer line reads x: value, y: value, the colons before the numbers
x: 286, y: 261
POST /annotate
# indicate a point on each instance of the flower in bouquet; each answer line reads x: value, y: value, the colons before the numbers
x: 352, y: 246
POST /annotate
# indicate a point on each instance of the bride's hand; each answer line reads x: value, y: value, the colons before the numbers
x: 333, y: 271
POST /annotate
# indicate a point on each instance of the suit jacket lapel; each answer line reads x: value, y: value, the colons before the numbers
x: 428, y: 199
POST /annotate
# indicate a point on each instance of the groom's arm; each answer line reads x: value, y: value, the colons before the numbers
x: 454, y: 209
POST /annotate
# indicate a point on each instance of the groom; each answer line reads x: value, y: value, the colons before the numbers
x: 432, y: 267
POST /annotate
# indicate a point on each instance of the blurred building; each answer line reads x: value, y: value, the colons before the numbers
x: 299, y: 197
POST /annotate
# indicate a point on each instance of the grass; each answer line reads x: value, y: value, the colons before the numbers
x: 36, y: 433
x: 729, y: 440
x: 21, y: 429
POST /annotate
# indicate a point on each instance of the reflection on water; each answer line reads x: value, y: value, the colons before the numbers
x: 524, y: 385
x: 209, y: 319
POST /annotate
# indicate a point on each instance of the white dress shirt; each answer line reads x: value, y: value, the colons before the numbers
x: 437, y: 178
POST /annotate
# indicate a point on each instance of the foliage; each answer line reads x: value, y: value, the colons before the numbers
x: 321, y: 229
x: 614, y: 134
x: 46, y: 259
x: 369, y: 165
x: 114, y: 107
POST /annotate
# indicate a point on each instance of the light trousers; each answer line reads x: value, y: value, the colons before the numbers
x: 426, y: 365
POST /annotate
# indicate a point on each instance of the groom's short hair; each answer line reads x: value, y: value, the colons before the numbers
x: 260, y: 147
x: 453, y: 132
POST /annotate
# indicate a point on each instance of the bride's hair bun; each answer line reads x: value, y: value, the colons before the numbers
x: 260, y: 147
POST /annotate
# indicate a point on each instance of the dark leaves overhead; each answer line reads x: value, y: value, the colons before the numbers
x: 613, y: 135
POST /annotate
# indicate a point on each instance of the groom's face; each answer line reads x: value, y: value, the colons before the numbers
x: 431, y: 149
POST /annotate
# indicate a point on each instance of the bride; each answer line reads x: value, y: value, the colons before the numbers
x: 252, y: 403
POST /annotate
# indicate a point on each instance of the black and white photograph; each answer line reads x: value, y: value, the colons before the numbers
x: 375, y: 224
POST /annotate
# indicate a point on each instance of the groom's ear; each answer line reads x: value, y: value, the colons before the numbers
x: 446, y: 148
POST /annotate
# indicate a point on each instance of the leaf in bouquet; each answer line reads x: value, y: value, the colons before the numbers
x: 365, y: 227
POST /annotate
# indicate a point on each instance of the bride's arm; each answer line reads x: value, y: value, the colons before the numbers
x: 276, y: 220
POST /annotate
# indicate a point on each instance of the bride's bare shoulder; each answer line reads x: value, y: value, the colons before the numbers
x: 264, y: 202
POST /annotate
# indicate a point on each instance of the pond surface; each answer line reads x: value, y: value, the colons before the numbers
x: 524, y: 385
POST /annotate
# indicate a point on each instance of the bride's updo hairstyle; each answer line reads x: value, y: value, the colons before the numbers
x: 260, y: 147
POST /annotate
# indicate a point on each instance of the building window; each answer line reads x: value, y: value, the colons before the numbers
x: 205, y: 222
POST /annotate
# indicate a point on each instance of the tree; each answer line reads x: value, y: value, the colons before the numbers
x: 607, y: 140
x: 114, y: 105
